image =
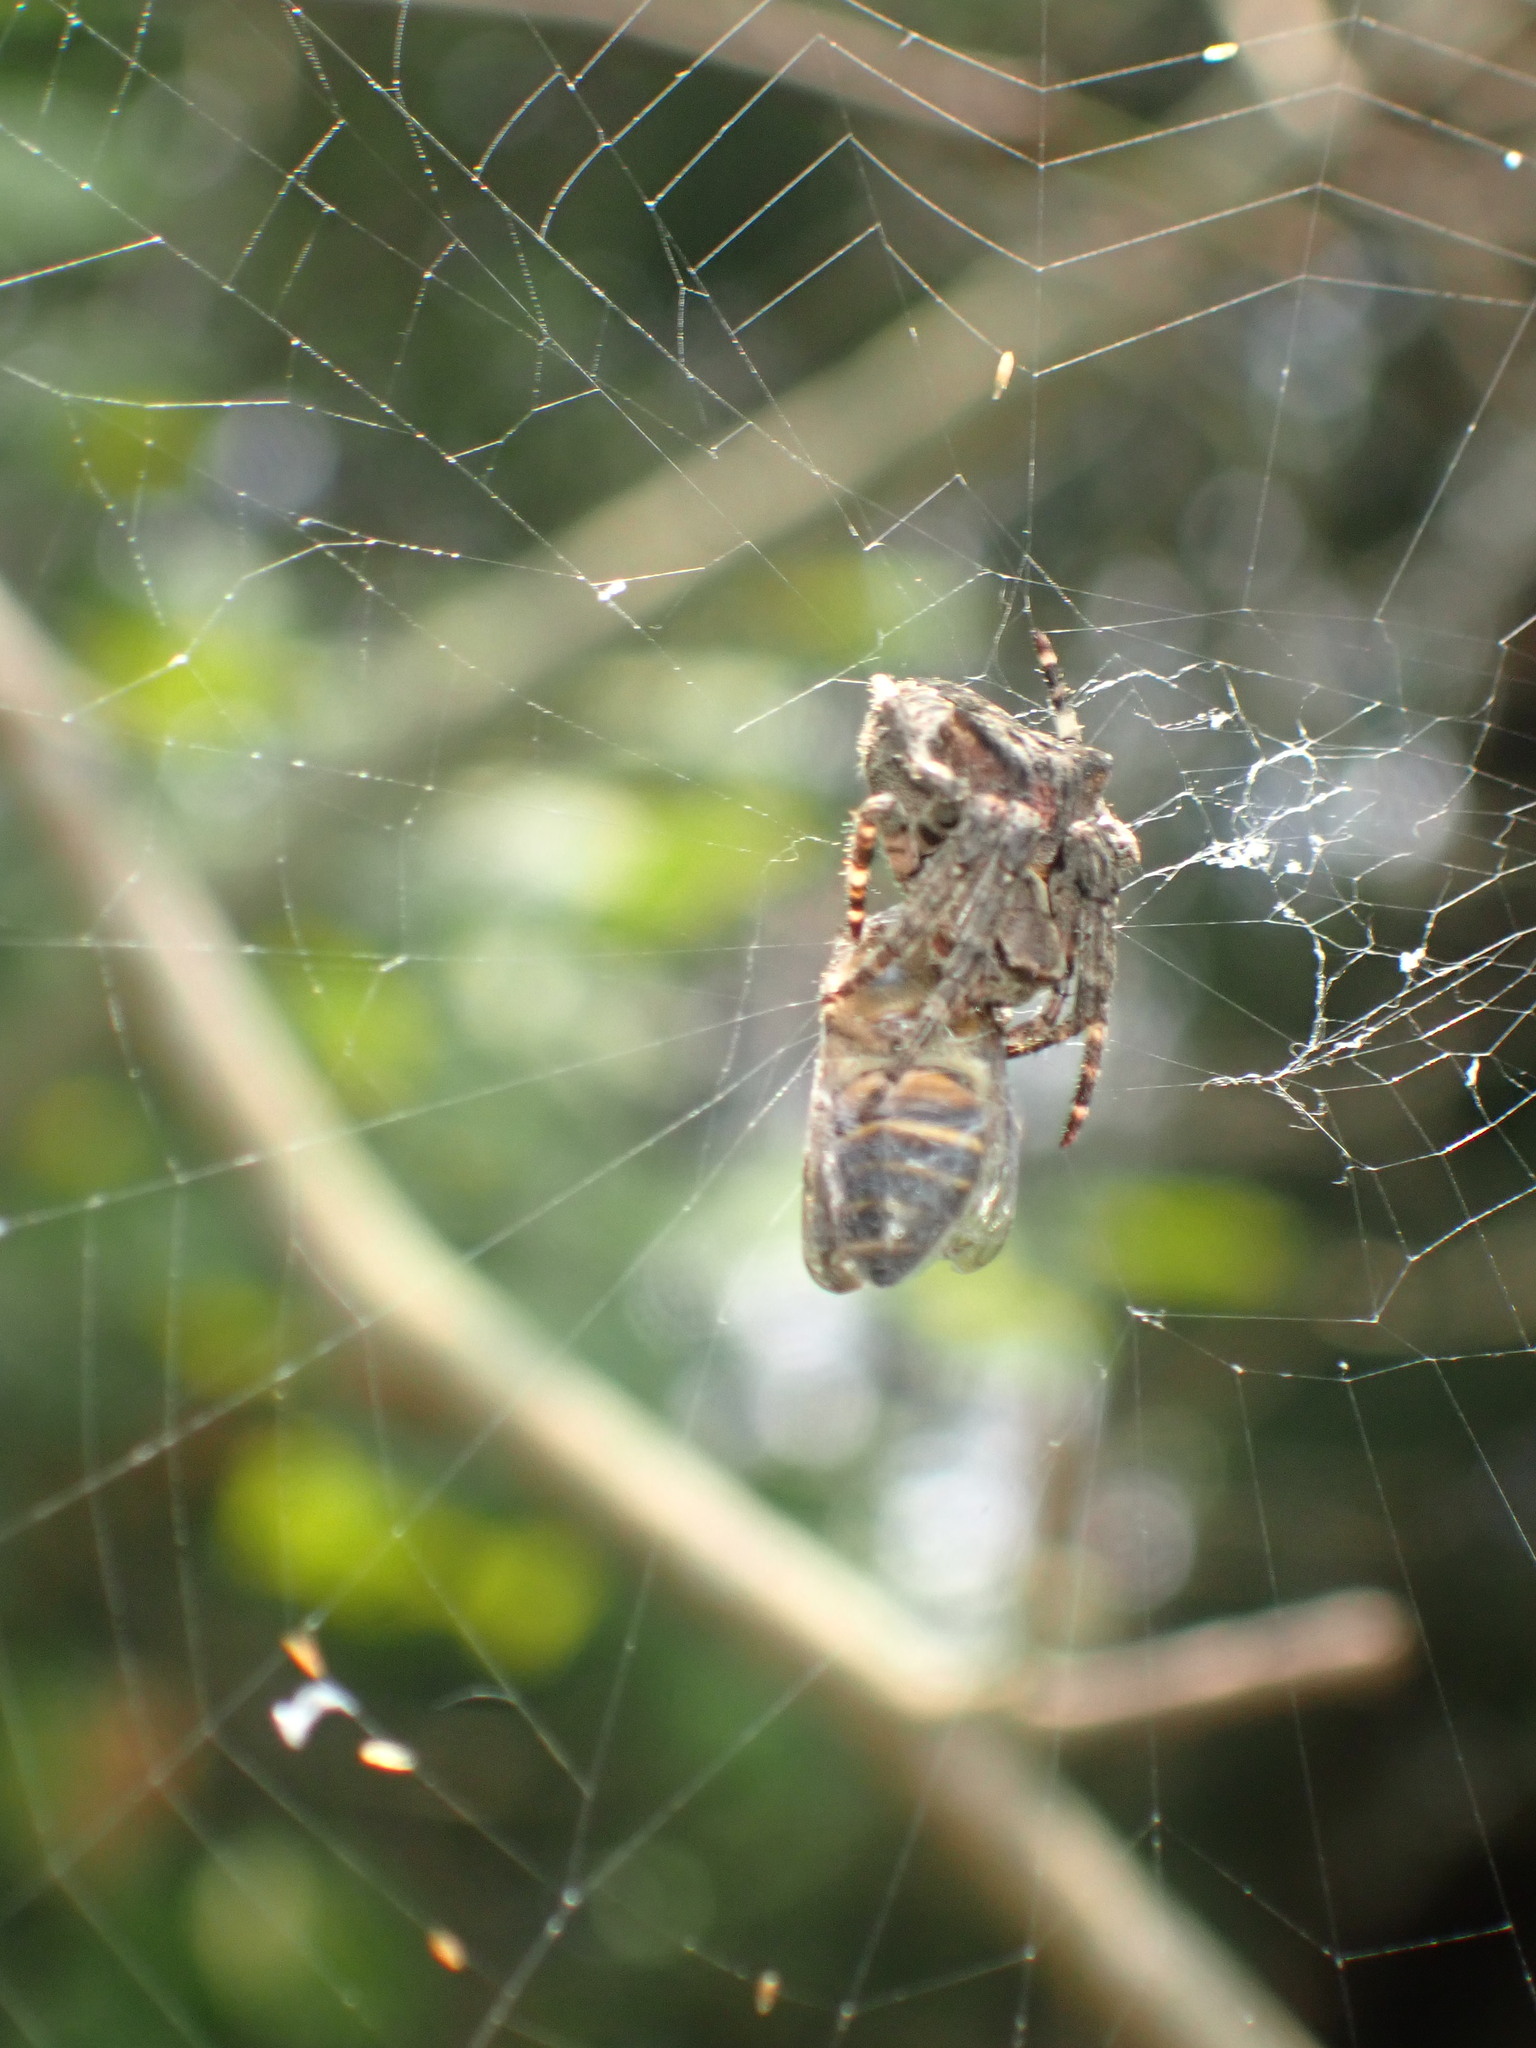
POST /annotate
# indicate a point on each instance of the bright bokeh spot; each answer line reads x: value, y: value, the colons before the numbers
x: 1197, y: 1244
x: 292, y: 1952
x: 128, y: 448
x: 226, y: 1333
x: 255, y: 1918
x: 1006, y: 1308
x: 372, y: 1029
x: 309, y: 1518
x: 220, y: 685
x: 86, y: 1134
x: 532, y: 1593
x: 659, y: 1897
x: 704, y: 861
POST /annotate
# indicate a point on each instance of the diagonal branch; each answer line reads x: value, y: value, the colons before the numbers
x: 1247, y: 1664
x: 1034, y: 1847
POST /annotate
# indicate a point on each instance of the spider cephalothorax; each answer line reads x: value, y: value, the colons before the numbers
x: 1009, y: 860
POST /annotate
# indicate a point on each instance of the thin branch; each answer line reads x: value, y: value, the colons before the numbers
x: 1338, y: 1644
x: 1041, y: 1855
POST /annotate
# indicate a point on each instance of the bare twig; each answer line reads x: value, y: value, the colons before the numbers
x: 1335, y: 1644
x: 1131, y: 1952
x: 1036, y: 1849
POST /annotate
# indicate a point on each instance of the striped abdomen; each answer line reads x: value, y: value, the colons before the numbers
x: 907, y: 1149
x: 912, y: 1148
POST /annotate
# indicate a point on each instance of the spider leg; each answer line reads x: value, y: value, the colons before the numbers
x: 1087, y: 1080
x: 1039, y: 1031
x: 911, y: 930
x: 1066, y: 721
x: 1100, y: 855
x: 1051, y: 1028
x: 863, y: 837
x: 901, y: 934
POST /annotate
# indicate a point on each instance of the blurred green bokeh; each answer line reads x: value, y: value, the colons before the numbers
x: 313, y: 1521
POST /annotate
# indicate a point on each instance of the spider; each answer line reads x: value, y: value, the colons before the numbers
x: 1009, y: 860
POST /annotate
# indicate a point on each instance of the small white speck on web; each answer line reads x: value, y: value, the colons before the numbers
x: 1252, y: 852
x: 605, y: 593
x: 1474, y: 1070
x: 1513, y: 159
x: 297, y: 1717
x: 1220, y: 53
x: 1003, y: 375
x: 1410, y: 963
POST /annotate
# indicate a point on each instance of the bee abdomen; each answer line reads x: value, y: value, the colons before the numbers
x: 908, y: 1155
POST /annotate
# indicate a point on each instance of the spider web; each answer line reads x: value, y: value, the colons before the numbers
x: 473, y: 457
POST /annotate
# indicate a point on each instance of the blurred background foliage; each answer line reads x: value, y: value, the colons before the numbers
x: 398, y: 319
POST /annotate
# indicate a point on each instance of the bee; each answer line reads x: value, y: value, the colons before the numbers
x: 913, y: 1148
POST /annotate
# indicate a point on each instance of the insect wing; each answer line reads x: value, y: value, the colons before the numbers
x: 978, y: 1235
x: 821, y: 1206
x: 899, y: 1139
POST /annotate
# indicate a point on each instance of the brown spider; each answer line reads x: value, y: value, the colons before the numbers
x: 1009, y: 860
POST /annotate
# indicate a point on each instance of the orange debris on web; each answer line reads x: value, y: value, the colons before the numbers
x: 445, y: 1947
x: 302, y: 1647
x: 380, y: 1754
